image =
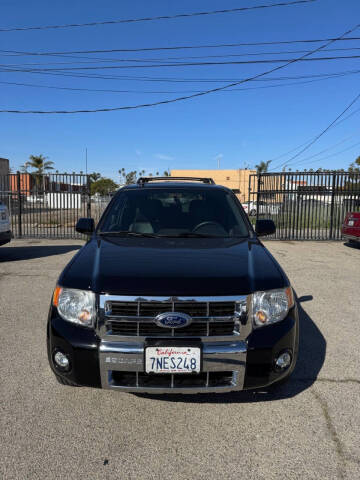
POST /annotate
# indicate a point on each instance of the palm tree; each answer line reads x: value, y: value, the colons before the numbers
x: 262, y: 167
x: 24, y: 167
x: 94, y: 176
x: 41, y: 166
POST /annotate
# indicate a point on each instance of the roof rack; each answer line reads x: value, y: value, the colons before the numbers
x: 143, y: 180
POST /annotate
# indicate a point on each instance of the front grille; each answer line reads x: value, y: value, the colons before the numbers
x: 183, y: 380
x: 124, y: 309
x: 195, y: 329
x: 151, y: 309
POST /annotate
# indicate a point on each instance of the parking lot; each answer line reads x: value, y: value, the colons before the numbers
x: 308, y: 429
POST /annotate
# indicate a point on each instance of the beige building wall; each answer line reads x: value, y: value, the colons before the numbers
x: 237, y: 180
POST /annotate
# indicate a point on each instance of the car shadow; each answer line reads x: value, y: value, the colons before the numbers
x: 29, y: 252
x: 355, y: 245
x: 312, y: 351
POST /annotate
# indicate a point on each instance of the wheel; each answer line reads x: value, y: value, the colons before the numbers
x: 65, y: 381
x: 252, y: 213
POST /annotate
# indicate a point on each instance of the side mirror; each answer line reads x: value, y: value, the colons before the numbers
x: 265, y: 227
x: 85, y: 225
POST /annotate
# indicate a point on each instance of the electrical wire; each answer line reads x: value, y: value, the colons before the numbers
x: 161, y: 17
x: 323, y: 131
x: 114, y: 60
x: 190, y: 64
x: 345, y: 139
x: 332, y: 154
x: 184, y: 80
x: 171, y: 91
x: 181, y: 47
x: 187, y: 97
x: 305, y: 143
x: 338, y: 153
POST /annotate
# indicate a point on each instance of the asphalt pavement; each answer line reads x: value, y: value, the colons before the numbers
x: 308, y: 429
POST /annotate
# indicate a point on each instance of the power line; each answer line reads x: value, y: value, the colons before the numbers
x: 161, y: 17
x: 345, y: 139
x: 299, y: 146
x: 189, y: 64
x: 188, y: 97
x: 323, y: 131
x: 114, y: 60
x: 181, y: 47
x: 332, y: 154
x: 338, y: 153
x: 193, y: 79
x: 179, y: 79
x: 175, y: 91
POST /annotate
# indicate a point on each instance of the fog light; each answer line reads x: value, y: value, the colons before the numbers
x: 283, y: 361
x: 61, y: 360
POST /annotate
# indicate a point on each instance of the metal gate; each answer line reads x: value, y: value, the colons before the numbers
x: 304, y: 205
x: 45, y: 205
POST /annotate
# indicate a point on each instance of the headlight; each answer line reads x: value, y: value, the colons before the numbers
x: 77, y: 306
x: 271, y: 306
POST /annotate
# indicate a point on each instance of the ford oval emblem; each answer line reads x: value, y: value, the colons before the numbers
x: 173, y: 320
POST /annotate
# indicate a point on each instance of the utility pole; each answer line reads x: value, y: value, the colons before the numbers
x: 86, y: 160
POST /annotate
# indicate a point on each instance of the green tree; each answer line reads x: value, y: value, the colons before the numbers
x: 354, y: 175
x: 39, y: 163
x: 127, y: 178
x: 103, y: 186
x: 94, y: 176
x: 166, y: 173
x: 355, y: 166
x: 262, y: 167
x: 41, y: 166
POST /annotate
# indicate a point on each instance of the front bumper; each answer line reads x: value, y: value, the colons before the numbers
x: 5, y: 237
x: 354, y: 238
x: 228, y: 364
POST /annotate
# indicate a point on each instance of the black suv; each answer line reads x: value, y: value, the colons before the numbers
x: 173, y: 292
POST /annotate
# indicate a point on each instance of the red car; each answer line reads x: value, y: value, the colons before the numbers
x: 351, y: 227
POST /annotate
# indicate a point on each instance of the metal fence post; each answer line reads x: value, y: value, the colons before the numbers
x: 258, y: 196
x: 248, y: 202
x: 88, y: 186
x: 332, y: 205
x: 18, y: 184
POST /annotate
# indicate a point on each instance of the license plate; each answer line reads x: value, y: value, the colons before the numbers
x: 351, y: 223
x: 172, y: 359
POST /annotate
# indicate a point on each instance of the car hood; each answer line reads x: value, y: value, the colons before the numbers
x: 173, y: 267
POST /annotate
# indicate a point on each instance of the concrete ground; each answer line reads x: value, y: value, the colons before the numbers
x: 309, y: 429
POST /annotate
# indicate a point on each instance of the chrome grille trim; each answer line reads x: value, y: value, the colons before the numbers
x: 133, y: 303
x: 139, y: 298
x: 219, y: 353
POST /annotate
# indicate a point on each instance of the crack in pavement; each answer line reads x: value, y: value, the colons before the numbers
x: 15, y: 274
x: 333, y: 434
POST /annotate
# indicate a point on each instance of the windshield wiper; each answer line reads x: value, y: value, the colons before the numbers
x: 127, y: 233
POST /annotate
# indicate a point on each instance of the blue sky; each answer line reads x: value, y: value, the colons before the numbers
x: 240, y: 128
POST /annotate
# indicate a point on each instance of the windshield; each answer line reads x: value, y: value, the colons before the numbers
x: 174, y: 212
